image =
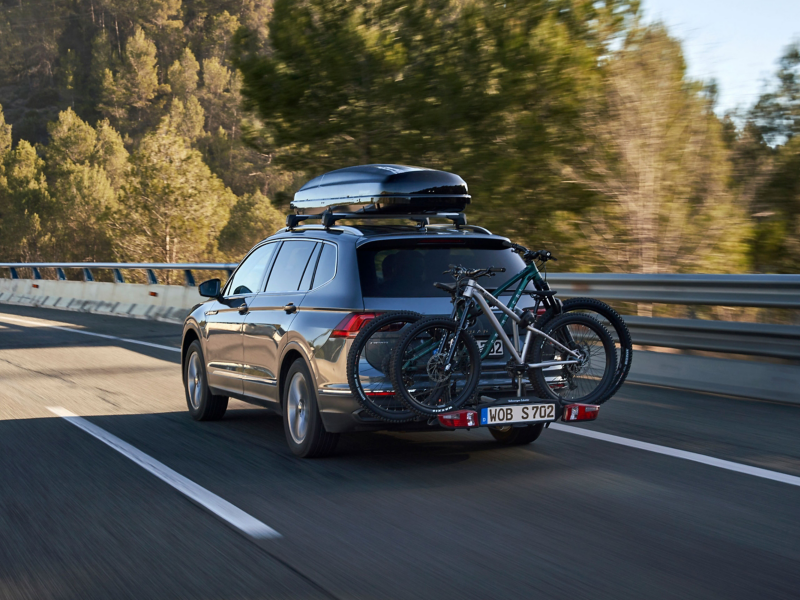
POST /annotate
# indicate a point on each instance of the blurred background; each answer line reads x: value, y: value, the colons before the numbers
x: 178, y: 130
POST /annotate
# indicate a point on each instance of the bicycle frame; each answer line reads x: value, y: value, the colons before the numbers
x: 484, y: 299
x: 529, y: 274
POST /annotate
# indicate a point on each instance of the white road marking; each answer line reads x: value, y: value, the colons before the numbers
x: 100, y: 335
x: 208, y: 500
x: 692, y: 456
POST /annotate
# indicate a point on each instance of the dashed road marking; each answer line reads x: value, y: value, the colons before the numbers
x: 92, y: 333
x: 683, y: 454
x: 226, y: 511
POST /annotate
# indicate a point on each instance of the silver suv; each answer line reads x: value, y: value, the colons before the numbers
x: 278, y: 333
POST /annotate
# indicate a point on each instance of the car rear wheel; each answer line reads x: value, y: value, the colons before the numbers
x: 516, y: 436
x: 203, y: 405
x: 302, y: 423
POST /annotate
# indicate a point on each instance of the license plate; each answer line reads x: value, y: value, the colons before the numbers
x: 497, y: 347
x: 521, y: 413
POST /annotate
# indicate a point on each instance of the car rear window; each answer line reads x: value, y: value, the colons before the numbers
x: 409, y: 268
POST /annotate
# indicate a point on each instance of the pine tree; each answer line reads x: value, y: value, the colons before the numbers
x: 174, y: 207
x: 252, y: 218
x: 656, y: 157
x: 182, y: 75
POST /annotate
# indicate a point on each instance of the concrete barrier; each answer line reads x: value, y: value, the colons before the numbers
x: 159, y: 302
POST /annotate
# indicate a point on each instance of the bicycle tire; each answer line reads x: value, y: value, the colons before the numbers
x: 439, y: 402
x: 380, y: 407
x: 542, y: 345
x: 625, y: 356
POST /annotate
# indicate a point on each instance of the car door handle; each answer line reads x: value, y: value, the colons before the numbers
x: 290, y: 308
x: 243, y: 309
x: 211, y: 312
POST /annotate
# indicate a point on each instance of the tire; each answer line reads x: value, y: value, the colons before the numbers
x: 516, y: 436
x: 593, y: 378
x: 388, y: 408
x: 625, y: 355
x: 302, y: 423
x: 443, y: 396
x: 202, y: 404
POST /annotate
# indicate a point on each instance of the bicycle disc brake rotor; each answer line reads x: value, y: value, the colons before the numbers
x: 437, y: 368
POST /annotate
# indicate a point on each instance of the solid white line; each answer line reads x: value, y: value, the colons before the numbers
x: 222, y: 508
x: 100, y: 335
x: 692, y: 456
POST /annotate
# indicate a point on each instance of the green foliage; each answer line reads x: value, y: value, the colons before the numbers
x: 174, y: 206
x: 183, y: 75
x: 655, y: 154
x: 136, y: 136
x: 252, y: 219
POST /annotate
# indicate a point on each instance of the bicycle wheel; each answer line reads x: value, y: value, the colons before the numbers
x: 625, y: 355
x: 588, y: 380
x: 422, y: 376
x: 368, y: 365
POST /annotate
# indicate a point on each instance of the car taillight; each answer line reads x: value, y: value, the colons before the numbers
x: 351, y: 324
x: 580, y: 412
x: 379, y: 394
x: 459, y: 418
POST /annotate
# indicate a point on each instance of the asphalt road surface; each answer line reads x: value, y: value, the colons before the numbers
x: 435, y: 515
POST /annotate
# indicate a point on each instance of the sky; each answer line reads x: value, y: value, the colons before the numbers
x: 736, y: 42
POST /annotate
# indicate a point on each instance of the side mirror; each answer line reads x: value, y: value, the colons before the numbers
x: 210, y: 288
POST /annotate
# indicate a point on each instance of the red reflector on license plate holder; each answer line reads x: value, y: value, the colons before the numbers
x: 580, y: 412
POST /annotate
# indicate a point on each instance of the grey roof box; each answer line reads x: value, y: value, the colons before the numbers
x: 394, y: 189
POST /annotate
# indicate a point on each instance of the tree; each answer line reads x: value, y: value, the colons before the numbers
x: 25, y: 204
x: 446, y: 84
x: 110, y: 153
x: 657, y: 159
x: 134, y: 86
x: 253, y: 218
x: 183, y: 76
x: 174, y: 207
x: 767, y: 170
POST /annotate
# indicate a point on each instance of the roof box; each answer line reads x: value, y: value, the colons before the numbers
x: 394, y: 189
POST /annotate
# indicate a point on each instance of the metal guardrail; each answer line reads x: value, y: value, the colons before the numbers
x: 751, y: 339
x: 755, y: 339
x: 149, y: 268
x: 762, y: 291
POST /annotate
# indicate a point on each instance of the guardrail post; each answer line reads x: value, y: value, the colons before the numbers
x: 36, y: 273
x: 151, y: 277
x: 118, y: 278
x: 187, y: 275
x: 14, y: 274
x: 60, y: 274
x: 87, y: 274
x: 230, y: 272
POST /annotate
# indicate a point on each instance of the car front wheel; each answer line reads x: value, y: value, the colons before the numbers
x: 203, y: 405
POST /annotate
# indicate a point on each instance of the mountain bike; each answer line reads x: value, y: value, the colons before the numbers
x: 368, y: 366
x: 555, y: 307
x: 435, y: 367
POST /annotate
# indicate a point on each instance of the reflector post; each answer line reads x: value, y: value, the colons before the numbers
x: 580, y: 412
x: 458, y: 419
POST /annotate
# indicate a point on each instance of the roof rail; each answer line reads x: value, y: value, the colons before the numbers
x: 329, y: 218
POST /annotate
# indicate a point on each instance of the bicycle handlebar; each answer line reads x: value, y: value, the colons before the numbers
x: 459, y: 272
x: 530, y: 255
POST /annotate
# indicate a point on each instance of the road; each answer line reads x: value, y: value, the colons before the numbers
x: 438, y: 515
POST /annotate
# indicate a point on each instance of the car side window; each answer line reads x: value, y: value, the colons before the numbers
x: 305, y: 283
x: 289, y: 266
x: 248, y: 277
x: 326, y: 266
